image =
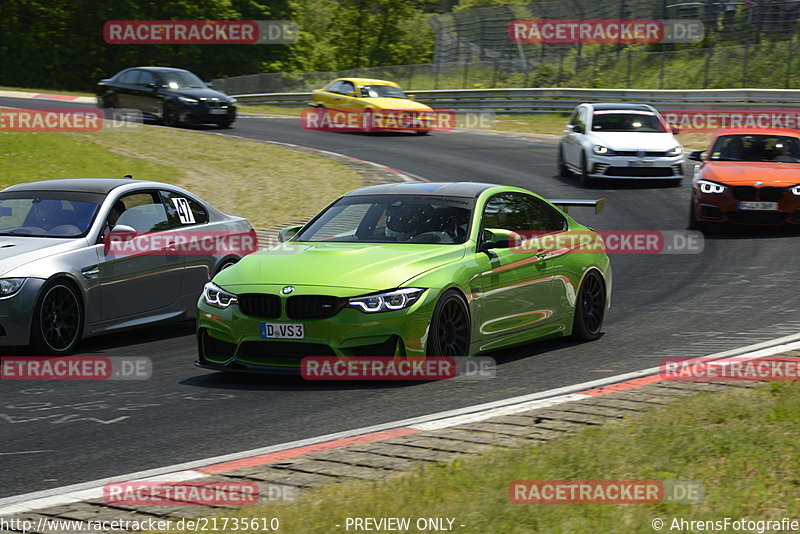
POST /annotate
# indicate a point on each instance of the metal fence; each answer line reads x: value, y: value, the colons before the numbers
x: 771, y: 64
x: 548, y: 100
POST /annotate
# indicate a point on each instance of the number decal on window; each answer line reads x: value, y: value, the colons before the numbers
x: 184, y: 211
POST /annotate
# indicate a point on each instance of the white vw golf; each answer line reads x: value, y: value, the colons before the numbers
x: 619, y: 140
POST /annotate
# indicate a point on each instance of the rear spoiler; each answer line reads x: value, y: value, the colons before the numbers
x: 598, y: 205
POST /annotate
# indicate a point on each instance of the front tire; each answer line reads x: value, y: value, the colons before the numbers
x: 450, y: 327
x: 169, y: 115
x: 563, y: 170
x: 58, y: 319
x: 586, y: 180
x: 590, y: 307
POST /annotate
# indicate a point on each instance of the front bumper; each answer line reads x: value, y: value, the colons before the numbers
x: 229, y: 340
x: 655, y: 167
x: 16, y: 313
x: 201, y: 114
x: 724, y: 207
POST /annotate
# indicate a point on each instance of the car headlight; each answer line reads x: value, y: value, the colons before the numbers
x: 710, y: 187
x: 387, y: 301
x: 187, y: 100
x: 677, y: 151
x: 602, y: 150
x: 9, y: 286
x: 795, y: 190
x: 213, y: 295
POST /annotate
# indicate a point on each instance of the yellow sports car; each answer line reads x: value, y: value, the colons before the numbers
x: 380, y: 105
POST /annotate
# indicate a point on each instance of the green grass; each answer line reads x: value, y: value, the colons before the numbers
x: 48, y: 91
x: 267, y: 184
x: 263, y: 109
x: 741, y: 445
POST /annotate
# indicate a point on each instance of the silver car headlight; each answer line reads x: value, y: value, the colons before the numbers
x: 213, y: 295
x: 795, y: 190
x: 9, y: 286
x: 387, y: 301
x: 601, y: 150
x: 677, y: 151
x: 710, y: 187
x: 187, y: 100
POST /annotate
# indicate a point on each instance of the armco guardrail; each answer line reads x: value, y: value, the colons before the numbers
x: 563, y: 100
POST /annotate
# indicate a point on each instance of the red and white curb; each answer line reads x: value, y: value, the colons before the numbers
x: 47, y: 96
x: 209, y: 466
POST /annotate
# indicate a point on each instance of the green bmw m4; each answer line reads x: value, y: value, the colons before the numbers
x: 411, y: 269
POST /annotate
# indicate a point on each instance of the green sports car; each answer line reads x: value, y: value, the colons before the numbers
x: 410, y: 269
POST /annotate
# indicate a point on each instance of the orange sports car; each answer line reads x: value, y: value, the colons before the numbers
x: 748, y: 176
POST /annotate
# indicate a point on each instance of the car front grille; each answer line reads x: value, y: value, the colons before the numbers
x: 281, y: 351
x: 748, y: 192
x: 313, y: 306
x: 215, y: 104
x: 644, y: 172
x: 652, y: 154
x: 258, y: 305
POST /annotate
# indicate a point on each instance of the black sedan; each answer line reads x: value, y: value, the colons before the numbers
x: 173, y: 96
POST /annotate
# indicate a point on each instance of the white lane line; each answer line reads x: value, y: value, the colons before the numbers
x: 67, y: 494
x: 22, y: 452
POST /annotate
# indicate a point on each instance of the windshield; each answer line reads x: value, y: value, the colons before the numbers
x: 42, y: 214
x: 392, y: 219
x: 383, y: 91
x: 180, y: 80
x: 780, y: 149
x: 620, y: 121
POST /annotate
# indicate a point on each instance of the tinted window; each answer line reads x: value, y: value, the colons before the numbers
x: 183, y: 210
x: 144, y: 78
x: 128, y: 76
x: 144, y: 212
x: 47, y: 214
x: 383, y: 91
x: 626, y: 121
x: 543, y: 217
x: 180, y: 79
x: 335, y: 87
x: 780, y: 149
x: 347, y: 87
x: 507, y: 211
x: 393, y: 219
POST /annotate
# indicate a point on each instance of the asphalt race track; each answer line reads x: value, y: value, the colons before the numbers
x: 740, y: 290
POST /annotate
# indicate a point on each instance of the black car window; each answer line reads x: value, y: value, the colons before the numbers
x: 183, y: 210
x: 580, y: 118
x: 142, y: 211
x: 544, y: 218
x: 144, y: 78
x: 507, y: 211
x: 128, y: 76
x: 573, y: 117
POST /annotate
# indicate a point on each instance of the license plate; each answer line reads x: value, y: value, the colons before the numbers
x: 283, y: 331
x: 639, y: 163
x: 759, y: 206
x: 218, y: 111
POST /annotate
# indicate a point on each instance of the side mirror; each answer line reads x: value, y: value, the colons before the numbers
x: 498, y: 238
x: 697, y: 155
x: 152, y: 85
x: 119, y: 234
x: 675, y: 130
x: 577, y: 128
x: 288, y: 233
x: 412, y: 97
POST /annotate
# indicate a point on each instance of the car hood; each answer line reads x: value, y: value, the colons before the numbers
x: 18, y: 251
x: 657, y: 142
x: 747, y: 173
x: 362, y: 266
x: 200, y: 93
x: 396, y: 103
